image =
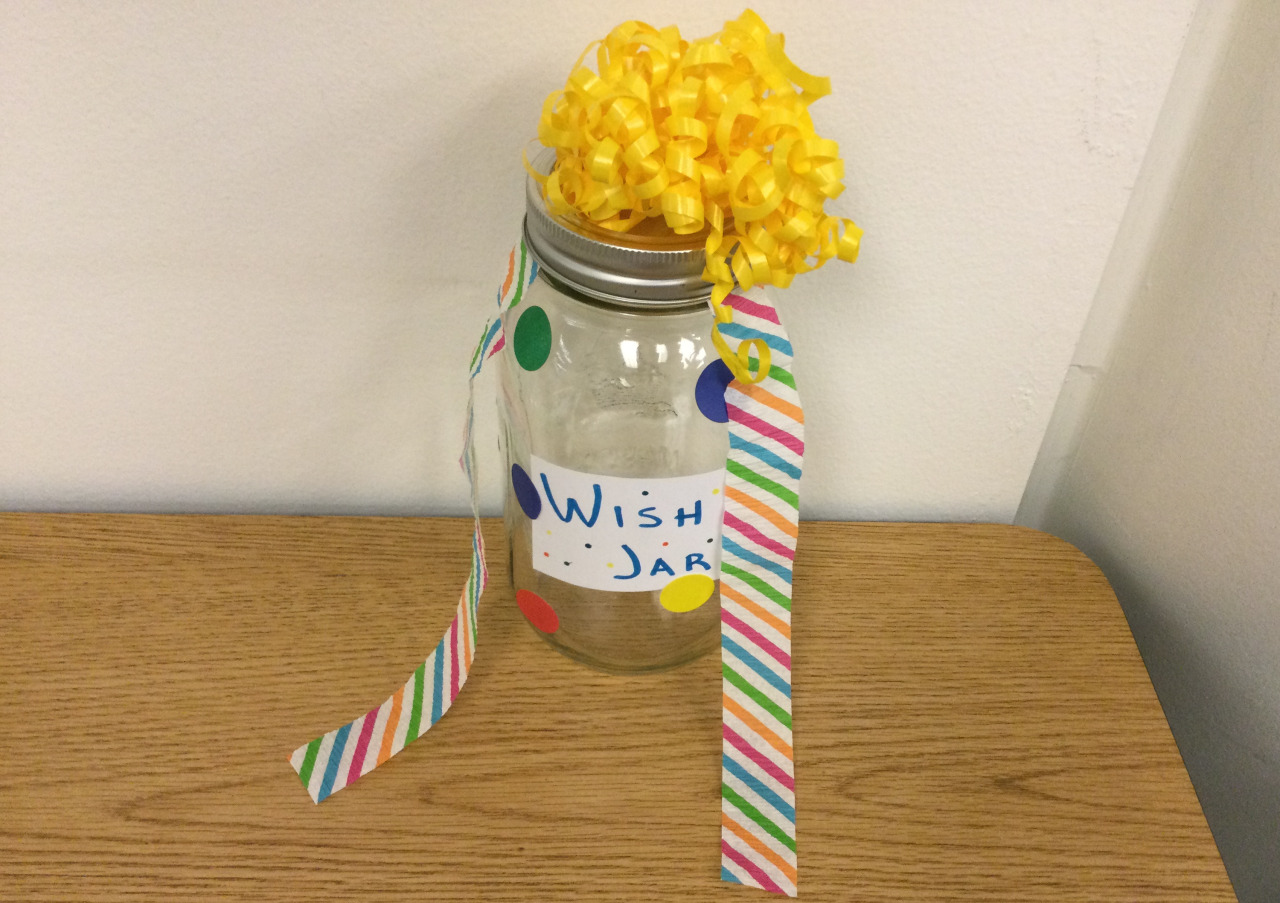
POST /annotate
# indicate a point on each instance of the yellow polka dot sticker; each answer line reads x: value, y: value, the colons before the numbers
x: 687, y: 593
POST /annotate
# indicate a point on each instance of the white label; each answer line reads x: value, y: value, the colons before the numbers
x: 625, y: 534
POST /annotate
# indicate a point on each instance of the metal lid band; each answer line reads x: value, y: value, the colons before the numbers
x: 658, y: 271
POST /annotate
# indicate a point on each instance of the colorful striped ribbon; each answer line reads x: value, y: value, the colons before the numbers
x: 766, y: 450
x: 331, y: 762
x: 761, y: 517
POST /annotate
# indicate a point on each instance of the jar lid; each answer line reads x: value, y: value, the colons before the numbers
x: 654, y: 270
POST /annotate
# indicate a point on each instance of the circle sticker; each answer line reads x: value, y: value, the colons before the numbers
x: 526, y: 492
x: 709, y: 391
x: 687, y: 593
x: 538, y: 612
x: 532, y: 338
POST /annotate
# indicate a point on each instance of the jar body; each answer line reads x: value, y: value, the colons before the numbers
x: 614, y: 476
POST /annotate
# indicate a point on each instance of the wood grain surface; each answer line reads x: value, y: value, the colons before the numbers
x: 973, y: 722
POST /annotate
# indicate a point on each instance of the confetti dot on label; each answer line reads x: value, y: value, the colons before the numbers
x: 535, y: 608
x: 588, y: 545
x: 666, y: 543
x: 709, y: 391
x: 712, y: 539
x: 548, y: 554
x: 687, y: 593
x: 609, y: 565
x: 715, y: 491
x: 526, y: 492
x: 646, y: 492
x: 532, y: 338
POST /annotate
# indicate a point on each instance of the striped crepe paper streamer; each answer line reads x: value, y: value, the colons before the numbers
x: 761, y: 519
x: 331, y: 762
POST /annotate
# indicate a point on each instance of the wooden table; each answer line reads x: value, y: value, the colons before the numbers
x: 973, y: 722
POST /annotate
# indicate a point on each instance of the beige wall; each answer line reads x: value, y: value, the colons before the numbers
x: 1173, y: 485
x: 246, y: 247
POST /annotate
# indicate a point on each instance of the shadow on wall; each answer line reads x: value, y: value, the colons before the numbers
x: 1223, y: 730
x: 1174, y: 485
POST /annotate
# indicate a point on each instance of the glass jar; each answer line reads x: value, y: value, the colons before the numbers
x: 615, y: 455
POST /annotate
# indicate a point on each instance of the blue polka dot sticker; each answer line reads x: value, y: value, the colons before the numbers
x: 526, y: 492
x: 709, y: 392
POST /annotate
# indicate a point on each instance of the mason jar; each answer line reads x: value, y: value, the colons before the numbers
x: 614, y: 434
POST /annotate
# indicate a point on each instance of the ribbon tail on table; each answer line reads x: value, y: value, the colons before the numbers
x: 761, y: 519
x: 336, y: 759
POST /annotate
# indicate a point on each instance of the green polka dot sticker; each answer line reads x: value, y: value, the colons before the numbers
x: 532, y: 338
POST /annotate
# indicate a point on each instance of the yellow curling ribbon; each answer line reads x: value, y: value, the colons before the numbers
x: 713, y: 136
x: 739, y: 362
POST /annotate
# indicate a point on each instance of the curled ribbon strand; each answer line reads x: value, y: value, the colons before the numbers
x: 712, y: 136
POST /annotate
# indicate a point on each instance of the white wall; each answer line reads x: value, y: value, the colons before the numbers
x: 246, y: 247
x: 1167, y: 471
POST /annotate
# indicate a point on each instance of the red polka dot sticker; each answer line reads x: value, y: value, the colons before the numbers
x: 538, y: 612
